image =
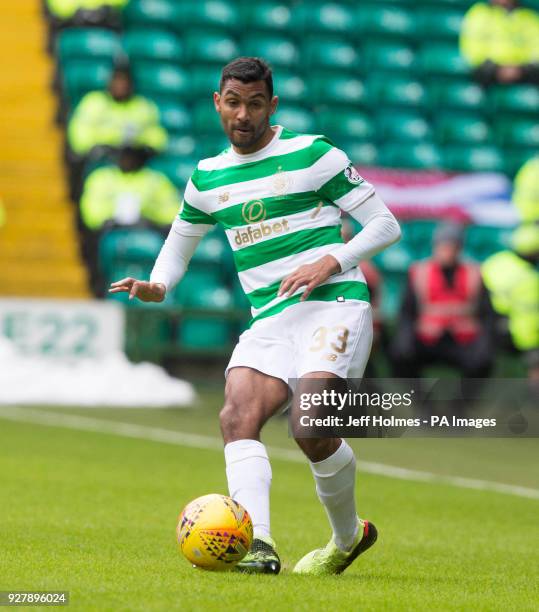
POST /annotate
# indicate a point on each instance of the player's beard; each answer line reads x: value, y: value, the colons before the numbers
x: 255, y: 135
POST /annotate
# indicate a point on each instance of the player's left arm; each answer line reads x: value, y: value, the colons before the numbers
x: 340, y: 183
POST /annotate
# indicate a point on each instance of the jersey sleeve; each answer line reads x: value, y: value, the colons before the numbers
x: 337, y: 180
x: 192, y: 210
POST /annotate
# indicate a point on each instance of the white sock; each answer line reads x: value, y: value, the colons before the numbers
x: 248, y: 471
x: 335, y: 479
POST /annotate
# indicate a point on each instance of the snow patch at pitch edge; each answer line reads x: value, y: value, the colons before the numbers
x: 110, y: 381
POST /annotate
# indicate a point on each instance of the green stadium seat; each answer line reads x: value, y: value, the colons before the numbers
x: 289, y: 86
x: 208, y: 14
x: 417, y: 235
x: 459, y: 128
x: 514, y: 159
x: 515, y: 99
x: 518, y: 133
x: 216, y: 297
x: 329, y: 53
x: 204, y: 81
x: 361, y: 153
x: 337, y: 89
x: 128, y: 246
x: 442, y: 60
x: 197, y: 280
x: 422, y: 156
x: 279, y: 51
x: 240, y: 301
x: 153, y: 45
x: 396, y: 259
x: 152, y: 13
x: 211, y: 145
x: 295, y: 118
x: 177, y: 168
x: 458, y: 95
x: 86, y: 43
x: 402, y: 127
x: 272, y: 16
x: 209, y: 48
x: 373, y: 19
x: 205, y: 118
x: 174, y: 116
x: 325, y: 18
x: 481, y: 241
x: 439, y: 23
x: 161, y: 80
x: 205, y: 334
x: 392, y: 292
x: 83, y: 76
x: 181, y: 145
x: 214, y: 250
x: 388, y: 56
x: 473, y: 159
x: 345, y: 123
x: 386, y: 90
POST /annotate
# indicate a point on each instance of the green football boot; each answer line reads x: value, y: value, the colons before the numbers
x: 331, y: 560
x: 261, y: 558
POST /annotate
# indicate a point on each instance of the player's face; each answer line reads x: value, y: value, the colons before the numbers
x: 245, y: 109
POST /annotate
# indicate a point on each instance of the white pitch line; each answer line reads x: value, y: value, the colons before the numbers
x: 169, y: 436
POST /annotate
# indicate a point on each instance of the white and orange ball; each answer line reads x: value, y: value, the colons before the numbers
x: 214, y: 532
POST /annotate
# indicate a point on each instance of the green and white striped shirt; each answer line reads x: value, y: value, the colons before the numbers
x: 280, y: 208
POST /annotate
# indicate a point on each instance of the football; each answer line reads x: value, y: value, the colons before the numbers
x: 214, y: 532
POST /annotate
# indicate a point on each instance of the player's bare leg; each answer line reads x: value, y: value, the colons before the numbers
x: 334, y: 469
x: 251, y: 398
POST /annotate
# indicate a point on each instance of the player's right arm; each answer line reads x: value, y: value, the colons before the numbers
x: 186, y: 232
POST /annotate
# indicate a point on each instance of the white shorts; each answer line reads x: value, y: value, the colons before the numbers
x: 311, y: 336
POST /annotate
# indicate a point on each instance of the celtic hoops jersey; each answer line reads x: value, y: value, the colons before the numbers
x: 280, y: 209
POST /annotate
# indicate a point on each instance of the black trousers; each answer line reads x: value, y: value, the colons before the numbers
x: 409, y: 356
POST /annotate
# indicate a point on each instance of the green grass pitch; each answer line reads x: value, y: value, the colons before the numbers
x: 95, y: 514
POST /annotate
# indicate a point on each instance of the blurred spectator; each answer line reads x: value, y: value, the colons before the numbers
x: 526, y: 191
x: 446, y: 315
x: 500, y: 41
x: 84, y: 12
x: 512, y: 277
x: 128, y: 193
x: 115, y: 118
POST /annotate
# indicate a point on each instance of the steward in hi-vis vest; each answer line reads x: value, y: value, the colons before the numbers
x: 446, y: 306
x: 445, y: 315
x: 499, y: 41
x: 512, y: 277
x: 526, y: 191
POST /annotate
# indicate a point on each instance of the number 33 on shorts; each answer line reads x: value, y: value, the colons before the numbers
x: 334, y: 338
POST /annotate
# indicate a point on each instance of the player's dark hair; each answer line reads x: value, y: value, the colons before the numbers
x: 248, y: 70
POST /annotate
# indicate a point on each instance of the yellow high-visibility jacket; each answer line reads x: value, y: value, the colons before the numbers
x: 99, y: 119
x: 65, y: 9
x: 513, y: 284
x: 505, y: 37
x: 526, y: 191
x: 127, y: 197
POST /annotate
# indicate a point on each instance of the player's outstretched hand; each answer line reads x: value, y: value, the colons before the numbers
x: 143, y: 290
x: 310, y: 276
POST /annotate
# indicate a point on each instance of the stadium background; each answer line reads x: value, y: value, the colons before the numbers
x: 384, y: 80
